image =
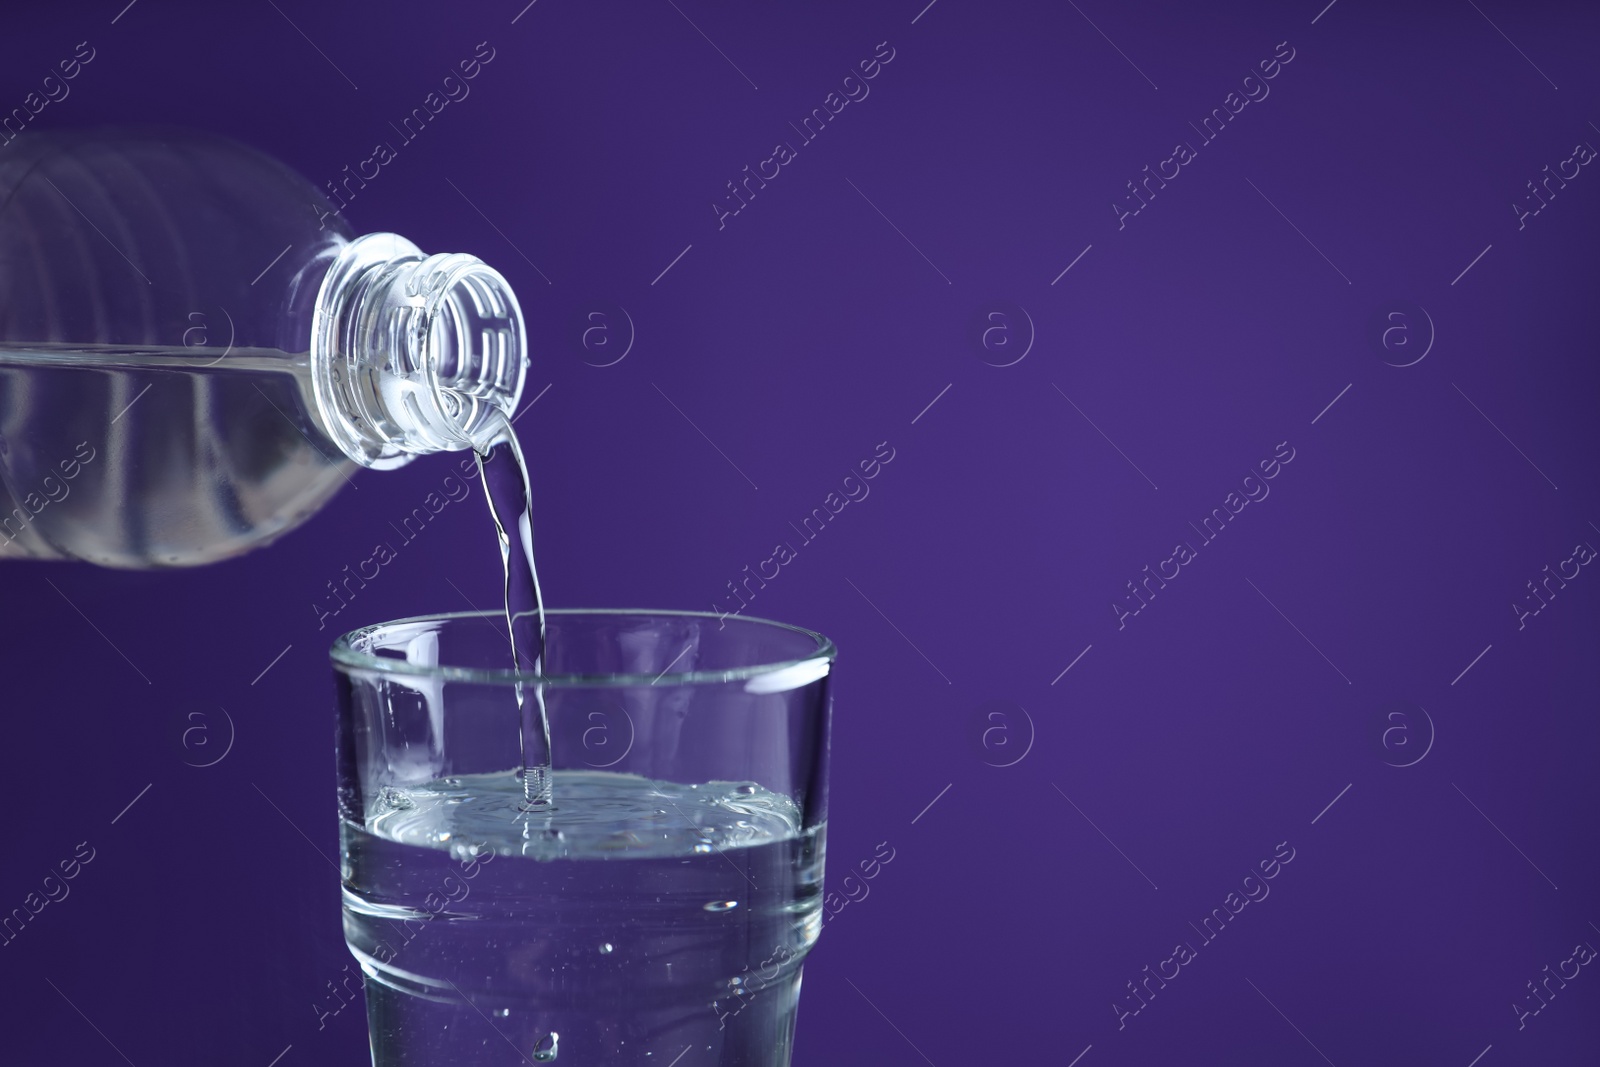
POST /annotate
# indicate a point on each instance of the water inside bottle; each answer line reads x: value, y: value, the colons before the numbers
x: 505, y: 482
x: 143, y: 456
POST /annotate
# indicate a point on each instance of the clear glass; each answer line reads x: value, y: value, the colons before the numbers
x: 196, y: 352
x: 662, y: 908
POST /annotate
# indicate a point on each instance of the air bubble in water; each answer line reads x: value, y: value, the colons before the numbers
x: 607, y: 948
x: 721, y: 905
x: 502, y: 1013
x: 466, y: 852
x: 747, y: 790
x: 546, y: 1050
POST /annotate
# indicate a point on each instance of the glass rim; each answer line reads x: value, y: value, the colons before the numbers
x: 806, y: 668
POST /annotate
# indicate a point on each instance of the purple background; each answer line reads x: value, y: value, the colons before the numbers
x: 1252, y: 693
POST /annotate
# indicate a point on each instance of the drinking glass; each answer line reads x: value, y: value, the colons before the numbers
x: 661, y: 907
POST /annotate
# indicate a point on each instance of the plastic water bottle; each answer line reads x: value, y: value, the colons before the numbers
x: 195, y: 352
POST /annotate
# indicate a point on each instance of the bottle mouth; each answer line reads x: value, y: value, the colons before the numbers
x: 413, y: 353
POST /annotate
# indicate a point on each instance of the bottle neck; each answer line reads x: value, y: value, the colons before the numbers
x: 412, y: 354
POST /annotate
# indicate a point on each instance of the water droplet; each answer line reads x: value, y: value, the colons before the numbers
x: 546, y: 1050
x: 502, y: 1013
x: 702, y: 849
x: 607, y: 948
x: 721, y: 905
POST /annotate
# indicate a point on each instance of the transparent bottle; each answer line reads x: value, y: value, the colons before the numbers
x: 196, y: 353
